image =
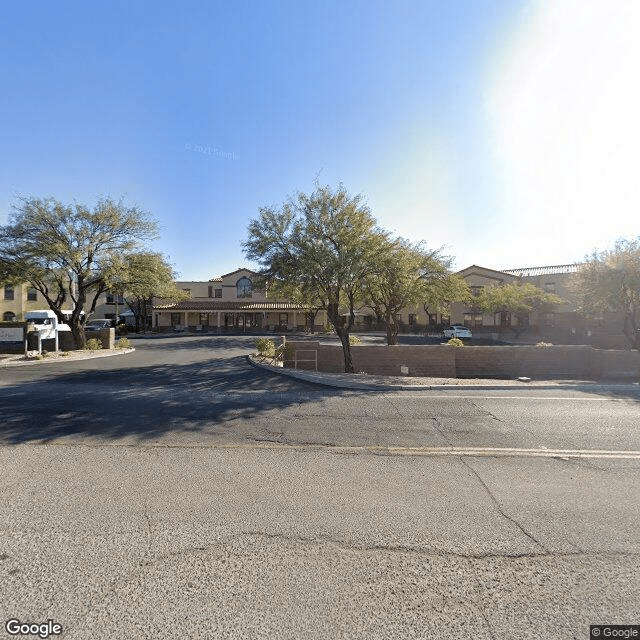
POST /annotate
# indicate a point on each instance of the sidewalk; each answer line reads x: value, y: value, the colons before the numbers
x: 366, y: 382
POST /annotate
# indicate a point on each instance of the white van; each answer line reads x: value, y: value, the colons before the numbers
x: 46, y: 322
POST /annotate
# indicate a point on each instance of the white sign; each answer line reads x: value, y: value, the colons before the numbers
x: 11, y: 334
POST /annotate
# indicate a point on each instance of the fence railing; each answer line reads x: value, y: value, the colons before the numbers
x: 296, y: 359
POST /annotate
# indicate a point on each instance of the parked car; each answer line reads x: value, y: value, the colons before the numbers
x: 98, y: 325
x: 457, y: 331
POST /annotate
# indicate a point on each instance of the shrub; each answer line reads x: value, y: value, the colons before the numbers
x: 543, y: 345
x: 266, y: 347
x: 285, y: 352
x: 455, y: 342
x: 93, y: 344
x: 354, y: 340
x: 65, y: 353
x: 123, y: 343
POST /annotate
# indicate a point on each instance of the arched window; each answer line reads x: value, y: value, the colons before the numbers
x: 244, y: 287
x: 8, y: 316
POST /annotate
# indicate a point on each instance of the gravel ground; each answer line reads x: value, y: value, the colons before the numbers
x: 17, y: 360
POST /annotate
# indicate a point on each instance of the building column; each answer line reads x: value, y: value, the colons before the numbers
x: 295, y: 322
x: 218, y: 322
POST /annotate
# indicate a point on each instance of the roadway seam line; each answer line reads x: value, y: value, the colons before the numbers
x: 374, y: 449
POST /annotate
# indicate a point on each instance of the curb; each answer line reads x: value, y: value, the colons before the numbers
x: 326, y: 379
x: 97, y: 354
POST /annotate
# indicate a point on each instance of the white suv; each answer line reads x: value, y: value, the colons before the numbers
x: 457, y: 331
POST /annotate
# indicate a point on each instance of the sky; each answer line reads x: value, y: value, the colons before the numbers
x: 504, y: 131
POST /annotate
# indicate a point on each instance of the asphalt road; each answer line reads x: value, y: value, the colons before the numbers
x: 178, y: 492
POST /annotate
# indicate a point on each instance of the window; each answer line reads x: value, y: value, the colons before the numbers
x: 8, y: 316
x: 217, y: 293
x: 204, y: 319
x: 210, y: 291
x: 548, y: 319
x: 433, y: 319
x: 32, y: 295
x: 114, y: 299
x: 472, y: 320
x: 413, y: 320
x: 175, y: 319
x: 283, y: 319
x: 244, y: 287
x: 8, y: 292
x: 550, y: 287
x: 476, y: 290
x: 445, y: 321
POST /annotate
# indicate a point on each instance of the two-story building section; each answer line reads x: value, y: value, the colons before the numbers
x: 227, y: 303
x: 18, y: 299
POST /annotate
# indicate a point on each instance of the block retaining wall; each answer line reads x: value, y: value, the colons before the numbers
x: 443, y: 361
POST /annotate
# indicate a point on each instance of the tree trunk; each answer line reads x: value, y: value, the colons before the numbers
x: 77, y: 331
x: 333, y: 315
x: 346, y: 350
x: 631, y: 332
x: 392, y: 332
x: 310, y: 318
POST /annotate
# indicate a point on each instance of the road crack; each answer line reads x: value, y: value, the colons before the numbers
x: 499, y: 508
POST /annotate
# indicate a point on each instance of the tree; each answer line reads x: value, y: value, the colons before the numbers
x: 401, y: 277
x: 518, y: 299
x: 323, y: 245
x: 138, y: 278
x: 304, y: 298
x: 65, y: 251
x: 443, y: 290
x: 610, y: 281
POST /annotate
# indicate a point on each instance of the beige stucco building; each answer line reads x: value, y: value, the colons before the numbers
x: 232, y: 303
x: 16, y: 300
x: 227, y: 303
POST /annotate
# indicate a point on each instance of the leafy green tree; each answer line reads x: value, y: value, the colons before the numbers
x: 609, y: 281
x: 443, y: 290
x: 64, y: 251
x: 518, y: 299
x: 305, y: 298
x: 322, y: 244
x: 401, y: 277
x: 140, y: 277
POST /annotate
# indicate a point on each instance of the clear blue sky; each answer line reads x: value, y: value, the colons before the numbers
x: 505, y: 130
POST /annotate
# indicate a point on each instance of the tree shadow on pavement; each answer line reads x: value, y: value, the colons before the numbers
x: 148, y: 403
